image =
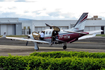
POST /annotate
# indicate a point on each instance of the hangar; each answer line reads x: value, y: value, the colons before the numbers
x: 11, y: 26
x: 14, y: 26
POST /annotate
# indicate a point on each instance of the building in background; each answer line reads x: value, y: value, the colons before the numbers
x: 94, y: 18
x: 15, y: 26
x: 10, y: 26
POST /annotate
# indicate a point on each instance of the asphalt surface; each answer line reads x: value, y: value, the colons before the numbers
x: 15, y: 47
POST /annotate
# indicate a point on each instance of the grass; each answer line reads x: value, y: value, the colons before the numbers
x: 103, y: 35
x: 15, y: 36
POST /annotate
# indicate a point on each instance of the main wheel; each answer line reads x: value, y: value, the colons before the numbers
x: 64, y: 47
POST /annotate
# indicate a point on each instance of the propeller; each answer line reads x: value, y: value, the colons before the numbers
x: 49, y: 26
x: 54, y: 27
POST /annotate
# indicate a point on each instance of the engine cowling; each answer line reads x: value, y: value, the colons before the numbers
x: 36, y: 35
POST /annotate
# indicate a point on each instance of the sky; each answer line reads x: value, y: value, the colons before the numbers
x: 51, y: 9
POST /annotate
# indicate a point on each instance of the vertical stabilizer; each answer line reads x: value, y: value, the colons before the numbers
x: 81, y: 19
x: 80, y: 24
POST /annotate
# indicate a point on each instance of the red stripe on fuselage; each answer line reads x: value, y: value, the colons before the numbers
x: 85, y: 32
x: 47, y: 37
x: 83, y: 19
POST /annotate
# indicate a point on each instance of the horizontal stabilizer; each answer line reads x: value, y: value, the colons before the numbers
x: 23, y: 39
x: 90, y: 36
x: 87, y: 36
x: 92, y: 32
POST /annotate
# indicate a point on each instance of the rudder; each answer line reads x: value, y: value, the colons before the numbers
x: 79, y: 26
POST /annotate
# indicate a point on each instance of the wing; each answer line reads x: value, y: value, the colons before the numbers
x: 23, y: 39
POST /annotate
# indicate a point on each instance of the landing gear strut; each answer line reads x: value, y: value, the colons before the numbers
x: 64, y: 47
x: 36, y: 46
x: 26, y: 43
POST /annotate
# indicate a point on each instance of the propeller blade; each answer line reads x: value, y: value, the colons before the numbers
x: 49, y: 26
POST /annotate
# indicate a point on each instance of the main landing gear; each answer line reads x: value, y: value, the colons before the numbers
x: 65, y: 46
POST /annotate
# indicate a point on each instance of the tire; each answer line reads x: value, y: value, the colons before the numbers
x: 64, y: 47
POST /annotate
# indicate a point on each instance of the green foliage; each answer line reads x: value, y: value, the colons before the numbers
x: 39, y: 63
x: 54, y: 61
x: 13, y: 62
x: 62, y: 54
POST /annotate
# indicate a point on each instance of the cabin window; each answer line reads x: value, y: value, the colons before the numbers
x: 46, y: 32
x: 50, y: 32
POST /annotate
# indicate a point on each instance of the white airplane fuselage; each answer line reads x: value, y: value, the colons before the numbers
x: 60, y: 37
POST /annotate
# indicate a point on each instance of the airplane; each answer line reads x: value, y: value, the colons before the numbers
x: 55, y: 35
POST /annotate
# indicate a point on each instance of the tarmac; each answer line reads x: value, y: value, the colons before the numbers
x: 15, y: 47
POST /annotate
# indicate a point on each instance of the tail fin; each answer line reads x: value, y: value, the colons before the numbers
x: 81, y: 19
x: 79, y: 26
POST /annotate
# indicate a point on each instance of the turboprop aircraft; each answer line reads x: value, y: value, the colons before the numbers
x: 54, y: 35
